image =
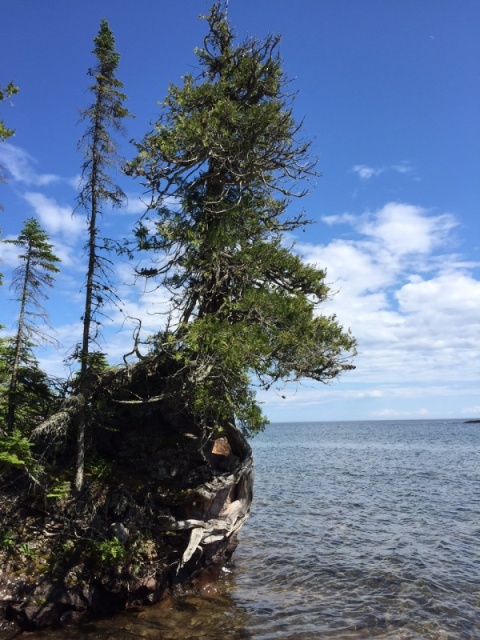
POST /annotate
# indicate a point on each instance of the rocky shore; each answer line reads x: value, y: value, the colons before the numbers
x: 160, y: 509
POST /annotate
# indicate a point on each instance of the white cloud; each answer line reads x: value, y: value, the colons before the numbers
x: 403, y: 167
x: 407, y: 229
x: 449, y: 295
x: 21, y: 165
x: 366, y: 172
x: 343, y: 218
x: 405, y: 398
x: 75, y: 182
x: 57, y: 219
x: 350, y: 265
x: 412, y: 305
x: 9, y: 253
x: 135, y: 204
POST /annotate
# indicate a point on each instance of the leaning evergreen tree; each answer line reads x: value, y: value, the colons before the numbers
x: 98, y: 189
x: 223, y: 165
x: 31, y: 280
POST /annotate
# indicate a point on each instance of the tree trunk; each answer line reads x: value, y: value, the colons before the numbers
x: 87, y: 317
x: 12, y: 391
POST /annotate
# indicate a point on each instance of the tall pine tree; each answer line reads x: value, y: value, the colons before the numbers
x: 31, y: 280
x: 223, y: 165
x: 98, y: 189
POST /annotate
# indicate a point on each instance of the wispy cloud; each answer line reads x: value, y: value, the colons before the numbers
x: 9, y: 253
x: 67, y: 231
x: 366, y: 173
x: 56, y: 218
x: 22, y: 167
x: 341, y: 218
x: 136, y: 204
x: 403, y: 167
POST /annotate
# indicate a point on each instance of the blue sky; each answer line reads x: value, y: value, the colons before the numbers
x: 389, y: 91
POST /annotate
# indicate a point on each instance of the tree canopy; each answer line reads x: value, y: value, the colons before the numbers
x: 223, y: 164
x: 31, y: 281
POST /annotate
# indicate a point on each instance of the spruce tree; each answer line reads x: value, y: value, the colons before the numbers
x: 30, y: 282
x: 98, y: 189
x: 223, y: 165
x: 36, y: 391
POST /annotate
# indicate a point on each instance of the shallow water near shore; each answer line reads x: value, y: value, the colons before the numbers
x: 358, y: 530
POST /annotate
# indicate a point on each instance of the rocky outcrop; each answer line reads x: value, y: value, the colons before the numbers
x: 163, y: 512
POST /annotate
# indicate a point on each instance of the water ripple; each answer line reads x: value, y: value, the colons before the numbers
x: 374, y: 530
x: 358, y: 531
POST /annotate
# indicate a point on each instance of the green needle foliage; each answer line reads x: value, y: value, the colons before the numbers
x: 6, y: 92
x: 36, y: 392
x: 104, y: 116
x: 223, y: 164
x: 31, y: 280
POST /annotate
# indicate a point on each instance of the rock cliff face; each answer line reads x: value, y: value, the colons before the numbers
x: 162, y: 505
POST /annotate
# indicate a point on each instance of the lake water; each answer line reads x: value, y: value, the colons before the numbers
x: 358, y: 530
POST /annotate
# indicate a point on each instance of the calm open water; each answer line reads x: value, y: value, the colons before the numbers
x: 358, y: 530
